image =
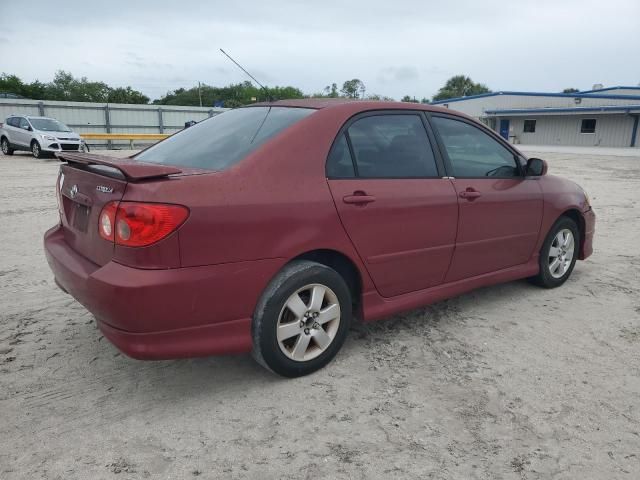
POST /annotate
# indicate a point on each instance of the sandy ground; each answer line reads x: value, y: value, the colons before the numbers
x: 508, y: 382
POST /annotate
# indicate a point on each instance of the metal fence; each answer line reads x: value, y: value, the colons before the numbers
x: 109, y: 117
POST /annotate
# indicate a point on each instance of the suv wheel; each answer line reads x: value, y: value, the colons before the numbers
x: 302, y: 319
x: 6, y: 147
x: 36, y: 150
x: 558, y: 254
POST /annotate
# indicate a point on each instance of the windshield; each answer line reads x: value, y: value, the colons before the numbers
x: 48, y: 125
x: 223, y: 140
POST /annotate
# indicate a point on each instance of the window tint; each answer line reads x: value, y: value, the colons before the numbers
x: 23, y: 123
x: 339, y: 163
x: 13, y: 121
x: 473, y: 153
x: 392, y: 146
x: 49, y: 125
x: 223, y: 140
x: 588, y: 125
x: 529, y: 126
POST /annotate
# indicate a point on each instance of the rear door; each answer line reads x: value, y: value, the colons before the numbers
x: 397, y: 209
x: 83, y: 191
x: 19, y: 133
x: 500, y: 209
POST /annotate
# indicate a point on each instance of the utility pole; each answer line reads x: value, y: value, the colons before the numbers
x: 199, y: 94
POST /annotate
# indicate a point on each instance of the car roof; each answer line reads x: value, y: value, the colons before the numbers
x: 29, y: 116
x: 354, y: 104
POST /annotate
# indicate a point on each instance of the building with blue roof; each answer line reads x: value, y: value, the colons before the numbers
x: 606, y: 117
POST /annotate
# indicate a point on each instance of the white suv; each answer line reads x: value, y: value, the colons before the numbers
x: 38, y: 135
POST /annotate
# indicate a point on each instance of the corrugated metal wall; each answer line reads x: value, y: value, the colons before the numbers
x: 611, y: 130
x: 110, y: 118
x: 476, y: 107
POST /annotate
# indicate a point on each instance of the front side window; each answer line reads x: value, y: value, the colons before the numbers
x: 472, y: 153
x: 529, y: 126
x: 392, y: 146
x: 49, y: 125
x: 22, y: 123
x: 223, y: 140
x: 588, y: 125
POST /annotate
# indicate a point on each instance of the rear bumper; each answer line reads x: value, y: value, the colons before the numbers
x: 163, y: 314
x: 589, y: 231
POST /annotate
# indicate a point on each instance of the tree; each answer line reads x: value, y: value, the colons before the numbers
x: 66, y: 87
x: 460, y: 86
x: 331, y: 91
x: 381, y: 98
x: 353, y: 88
x: 570, y: 90
x: 126, y: 95
x: 409, y: 99
x: 231, y: 96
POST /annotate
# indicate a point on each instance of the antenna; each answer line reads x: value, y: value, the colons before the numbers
x: 252, y: 77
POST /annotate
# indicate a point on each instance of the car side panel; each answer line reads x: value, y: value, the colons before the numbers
x: 558, y: 199
x: 249, y: 212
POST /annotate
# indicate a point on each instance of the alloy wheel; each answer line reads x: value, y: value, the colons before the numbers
x: 308, y: 322
x: 561, y: 253
x: 35, y: 149
x: 5, y: 147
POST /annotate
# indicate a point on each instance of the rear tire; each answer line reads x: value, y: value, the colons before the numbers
x: 302, y: 319
x: 558, y: 254
x: 36, y: 150
x: 6, y: 147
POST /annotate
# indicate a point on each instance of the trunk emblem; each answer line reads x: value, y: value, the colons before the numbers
x: 103, y: 189
x: 74, y: 191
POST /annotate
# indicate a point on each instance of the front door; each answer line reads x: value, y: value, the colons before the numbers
x: 500, y: 210
x: 504, y: 128
x: 398, y: 211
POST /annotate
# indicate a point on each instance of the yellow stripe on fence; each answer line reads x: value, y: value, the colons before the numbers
x: 132, y: 137
x: 124, y: 136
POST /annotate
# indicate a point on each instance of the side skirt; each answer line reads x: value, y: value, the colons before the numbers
x: 377, y: 307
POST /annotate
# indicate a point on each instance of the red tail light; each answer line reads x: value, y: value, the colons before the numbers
x: 135, y: 224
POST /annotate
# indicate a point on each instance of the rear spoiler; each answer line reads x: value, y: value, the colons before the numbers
x: 131, y: 169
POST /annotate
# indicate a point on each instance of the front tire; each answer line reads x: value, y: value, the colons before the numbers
x: 36, y: 151
x: 558, y: 254
x: 6, y: 147
x: 302, y: 319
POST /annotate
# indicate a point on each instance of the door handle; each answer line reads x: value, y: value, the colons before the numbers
x: 359, y: 198
x: 470, y: 194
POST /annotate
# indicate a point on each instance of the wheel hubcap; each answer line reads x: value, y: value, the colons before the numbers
x: 308, y: 322
x: 561, y: 253
x: 36, y: 150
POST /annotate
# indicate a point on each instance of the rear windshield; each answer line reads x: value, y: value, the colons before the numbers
x: 223, y: 140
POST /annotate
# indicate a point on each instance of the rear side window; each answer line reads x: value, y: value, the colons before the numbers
x: 473, y: 153
x: 223, y: 140
x: 392, y: 146
x: 340, y: 163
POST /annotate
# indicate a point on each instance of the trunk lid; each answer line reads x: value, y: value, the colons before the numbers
x: 86, y: 184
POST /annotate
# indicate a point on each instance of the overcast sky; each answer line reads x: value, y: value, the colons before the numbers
x: 395, y: 47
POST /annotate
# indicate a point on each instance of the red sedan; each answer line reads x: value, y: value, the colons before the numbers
x: 270, y: 228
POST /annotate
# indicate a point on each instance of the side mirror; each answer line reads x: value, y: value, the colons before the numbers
x: 27, y: 127
x: 536, y: 167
